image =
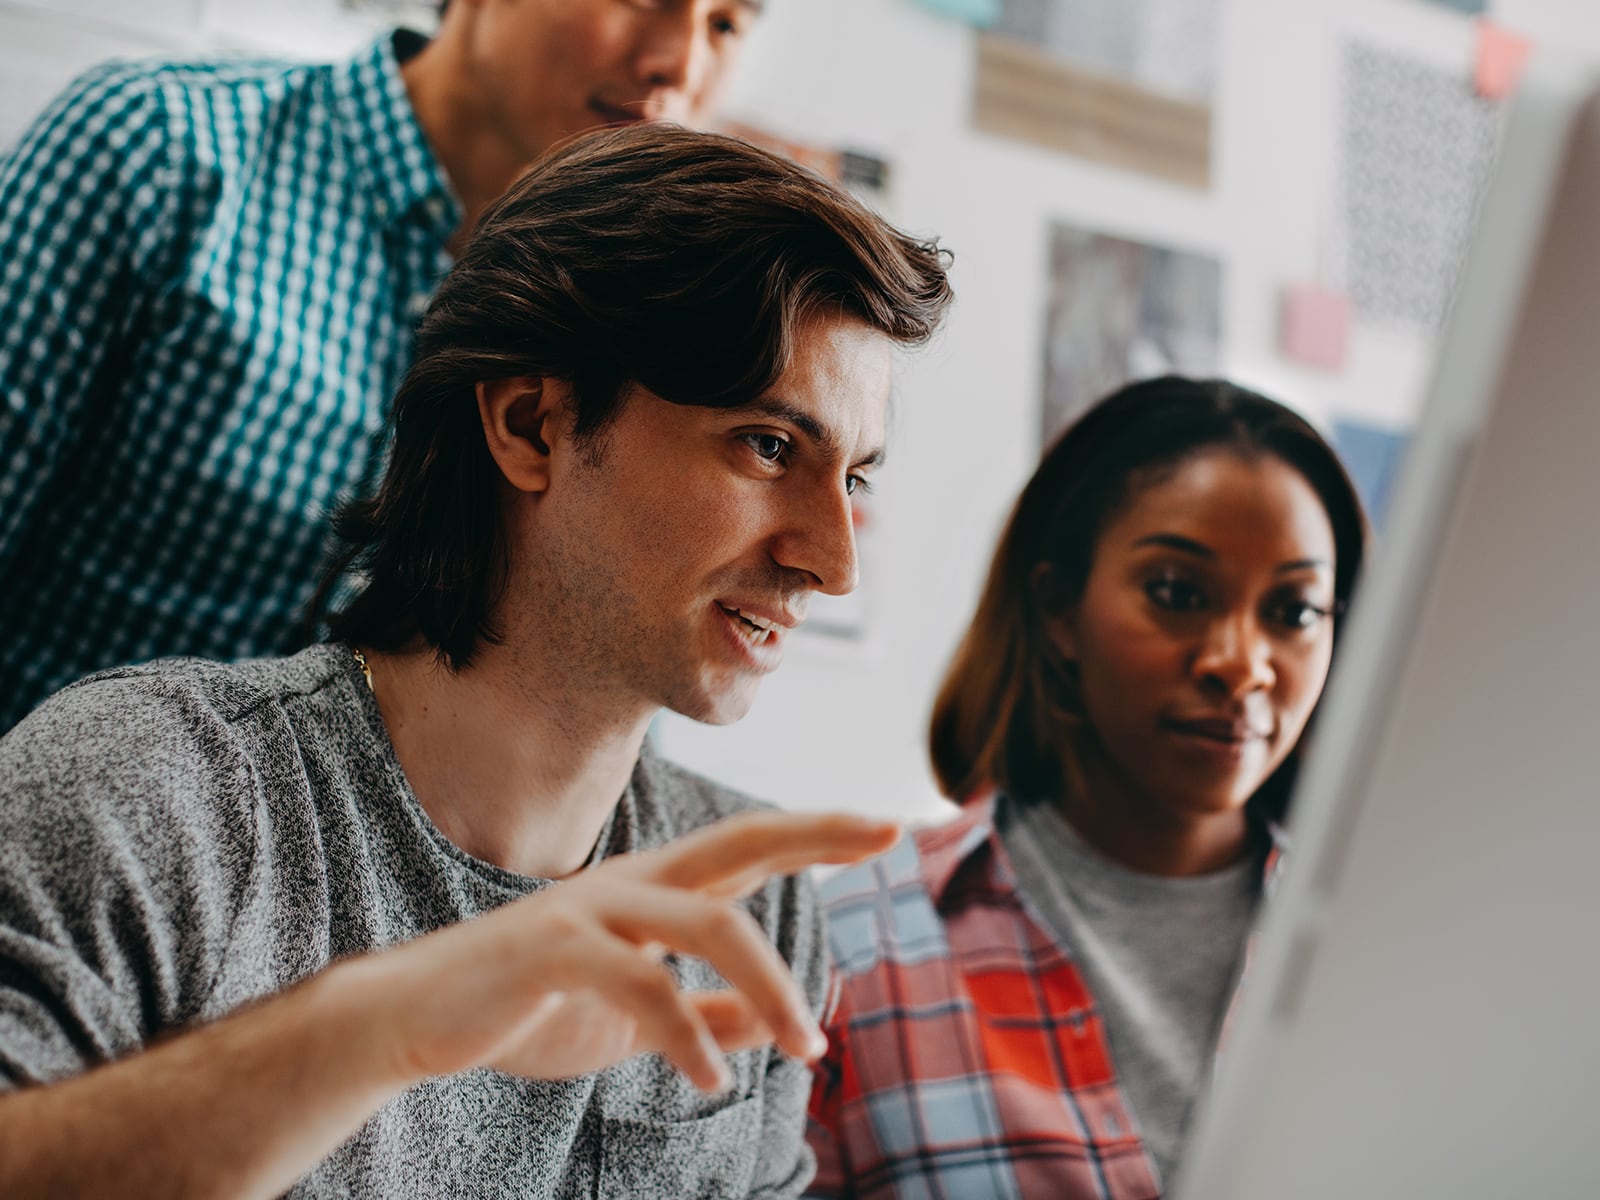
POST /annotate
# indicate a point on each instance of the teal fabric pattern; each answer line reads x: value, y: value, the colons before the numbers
x: 210, y: 279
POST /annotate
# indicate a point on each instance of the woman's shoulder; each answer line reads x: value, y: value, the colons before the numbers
x: 886, y: 910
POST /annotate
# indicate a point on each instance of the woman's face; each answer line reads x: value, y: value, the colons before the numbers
x: 1203, y: 635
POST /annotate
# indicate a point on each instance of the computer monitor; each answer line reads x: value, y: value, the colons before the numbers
x: 1421, y: 1017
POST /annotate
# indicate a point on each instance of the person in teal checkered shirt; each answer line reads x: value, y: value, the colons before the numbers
x: 210, y: 274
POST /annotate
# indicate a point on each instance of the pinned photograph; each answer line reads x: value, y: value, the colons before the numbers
x: 1127, y: 83
x: 1119, y: 311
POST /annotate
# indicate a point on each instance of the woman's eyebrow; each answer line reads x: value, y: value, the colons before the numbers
x: 1305, y: 564
x: 1187, y: 545
x: 1176, y: 541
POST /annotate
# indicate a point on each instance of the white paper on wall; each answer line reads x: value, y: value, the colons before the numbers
x: 1415, y: 147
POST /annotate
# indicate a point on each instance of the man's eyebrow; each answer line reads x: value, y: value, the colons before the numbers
x: 826, y: 439
x: 756, y: 7
x: 1186, y: 545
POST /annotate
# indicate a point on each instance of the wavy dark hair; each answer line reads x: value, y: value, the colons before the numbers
x: 681, y: 261
x: 997, y: 719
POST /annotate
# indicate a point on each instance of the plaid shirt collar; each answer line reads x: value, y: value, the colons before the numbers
x: 962, y: 856
x: 386, y: 143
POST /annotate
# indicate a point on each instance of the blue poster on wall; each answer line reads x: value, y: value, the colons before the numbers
x: 982, y: 13
x: 1373, y: 456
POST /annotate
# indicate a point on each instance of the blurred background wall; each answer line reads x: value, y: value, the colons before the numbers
x: 1341, y: 143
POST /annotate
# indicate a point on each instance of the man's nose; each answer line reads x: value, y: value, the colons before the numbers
x: 821, y: 541
x: 673, y: 50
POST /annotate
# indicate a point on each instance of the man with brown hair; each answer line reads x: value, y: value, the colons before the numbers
x: 210, y: 278
x: 293, y: 923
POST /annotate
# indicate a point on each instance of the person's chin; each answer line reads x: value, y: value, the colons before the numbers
x: 1202, y: 797
x: 721, y: 705
x: 1224, y: 796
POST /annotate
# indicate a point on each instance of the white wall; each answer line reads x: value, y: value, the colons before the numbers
x: 846, y: 730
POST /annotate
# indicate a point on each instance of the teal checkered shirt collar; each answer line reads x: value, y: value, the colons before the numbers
x: 388, y: 148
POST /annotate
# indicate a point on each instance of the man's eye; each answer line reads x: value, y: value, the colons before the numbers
x: 769, y: 447
x: 1176, y: 595
x: 857, y: 485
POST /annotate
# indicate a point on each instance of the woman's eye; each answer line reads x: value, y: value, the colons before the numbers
x: 1176, y: 595
x: 769, y: 447
x: 1301, y: 614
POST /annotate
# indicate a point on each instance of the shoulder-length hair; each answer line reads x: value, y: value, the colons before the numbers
x: 998, y: 717
x: 678, y: 260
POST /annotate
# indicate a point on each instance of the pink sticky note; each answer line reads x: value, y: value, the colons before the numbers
x: 1501, y: 57
x: 1315, y: 325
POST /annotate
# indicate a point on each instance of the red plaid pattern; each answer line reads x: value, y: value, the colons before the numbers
x: 967, y: 1057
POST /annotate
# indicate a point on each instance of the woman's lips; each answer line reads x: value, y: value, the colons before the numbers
x: 1222, y: 730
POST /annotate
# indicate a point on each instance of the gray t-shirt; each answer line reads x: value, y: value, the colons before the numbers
x: 1161, y: 957
x: 179, y: 839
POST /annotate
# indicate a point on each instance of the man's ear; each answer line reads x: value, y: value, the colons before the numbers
x: 1060, y: 618
x: 523, y: 416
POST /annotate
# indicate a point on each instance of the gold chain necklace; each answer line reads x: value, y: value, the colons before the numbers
x: 366, y: 671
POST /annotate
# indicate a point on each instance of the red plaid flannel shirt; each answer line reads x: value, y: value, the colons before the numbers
x: 967, y: 1058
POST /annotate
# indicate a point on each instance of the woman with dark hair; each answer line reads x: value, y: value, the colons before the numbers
x: 1032, y: 994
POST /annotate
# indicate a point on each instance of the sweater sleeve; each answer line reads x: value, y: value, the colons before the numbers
x: 786, y: 1161
x: 127, y: 837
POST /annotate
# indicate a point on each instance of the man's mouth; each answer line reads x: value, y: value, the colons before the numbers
x: 621, y: 114
x: 751, y: 625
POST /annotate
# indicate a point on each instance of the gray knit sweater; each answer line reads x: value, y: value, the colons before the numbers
x: 181, y: 838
